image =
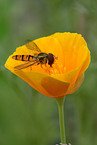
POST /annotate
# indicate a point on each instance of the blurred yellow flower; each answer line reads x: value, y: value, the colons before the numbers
x: 66, y: 74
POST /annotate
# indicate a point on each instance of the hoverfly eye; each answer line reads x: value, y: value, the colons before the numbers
x: 50, y: 59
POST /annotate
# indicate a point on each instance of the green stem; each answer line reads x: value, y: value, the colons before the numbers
x: 60, y: 102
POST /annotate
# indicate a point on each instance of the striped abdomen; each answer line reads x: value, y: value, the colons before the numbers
x: 23, y: 57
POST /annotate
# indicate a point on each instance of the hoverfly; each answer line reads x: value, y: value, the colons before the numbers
x: 37, y: 58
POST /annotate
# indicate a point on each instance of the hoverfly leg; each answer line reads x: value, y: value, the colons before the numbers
x: 49, y: 71
x: 45, y: 64
x: 51, y: 66
x: 41, y: 65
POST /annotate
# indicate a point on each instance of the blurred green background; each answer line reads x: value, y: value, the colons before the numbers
x: 27, y: 117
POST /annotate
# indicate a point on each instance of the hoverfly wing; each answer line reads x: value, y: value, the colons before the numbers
x: 25, y: 65
x: 32, y: 46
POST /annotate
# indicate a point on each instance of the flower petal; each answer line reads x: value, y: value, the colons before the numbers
x: 73, y: 75
x: 43, y: 83
x: 72, y: 88
x: 74, y: 49
x: 54, y: 87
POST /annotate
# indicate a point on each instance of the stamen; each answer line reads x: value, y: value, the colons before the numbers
x: 55, y: 69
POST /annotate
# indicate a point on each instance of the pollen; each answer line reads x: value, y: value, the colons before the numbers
x: 56, y: 69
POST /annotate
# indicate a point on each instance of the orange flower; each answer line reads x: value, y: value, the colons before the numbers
x: 66, y: 74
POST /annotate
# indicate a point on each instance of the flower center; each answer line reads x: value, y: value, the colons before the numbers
x: 55, y: 69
